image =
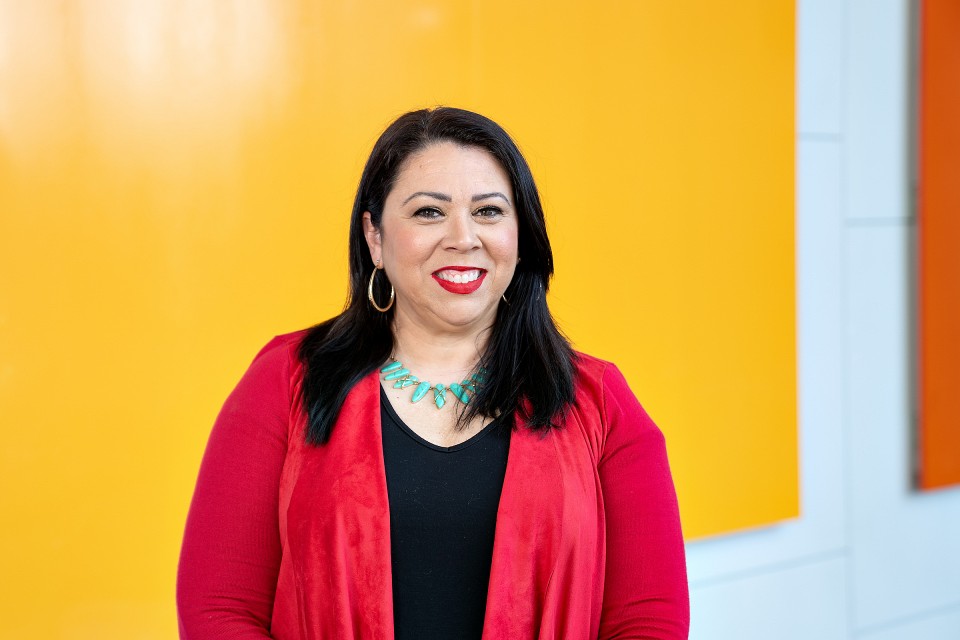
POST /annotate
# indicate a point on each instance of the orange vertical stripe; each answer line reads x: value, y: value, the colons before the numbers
x: 939, y: 241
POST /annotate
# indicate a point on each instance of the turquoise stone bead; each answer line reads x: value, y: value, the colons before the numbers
x: 397, y: 374
x: 421, y: 391
x: 406, y: 382
x: 393, y: 366
x: 459, y: 392
x: 439, y: 397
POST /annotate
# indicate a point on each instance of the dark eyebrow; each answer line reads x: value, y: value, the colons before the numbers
x: 492, y: 194
x: 442, y: 196
x: 432, y: 194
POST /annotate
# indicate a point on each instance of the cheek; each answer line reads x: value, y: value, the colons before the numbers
x: 504, y: 246
x: 408, y: 246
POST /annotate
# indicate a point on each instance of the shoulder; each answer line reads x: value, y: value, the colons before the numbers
x: 275, y: 368
x: 597, y: 378
x: 590, y: 366
x: 281, y: 352
x: 270, y: 384
x: 603, y: 394
x: 284, y: 344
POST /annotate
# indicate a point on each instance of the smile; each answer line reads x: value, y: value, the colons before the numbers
x: 451, y: 275
x: 460, y: 280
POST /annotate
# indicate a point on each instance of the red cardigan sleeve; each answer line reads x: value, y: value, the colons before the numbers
x: 645, y: 587
x: 231, y: 547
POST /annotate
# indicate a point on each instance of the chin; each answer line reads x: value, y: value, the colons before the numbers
x: 467, y: 315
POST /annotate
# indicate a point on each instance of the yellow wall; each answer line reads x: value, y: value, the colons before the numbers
x: 175, y: 182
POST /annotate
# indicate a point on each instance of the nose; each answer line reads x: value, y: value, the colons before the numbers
x: 462, y: 232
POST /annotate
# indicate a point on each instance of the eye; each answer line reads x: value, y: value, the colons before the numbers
x: 488, y: 212
x: 428, y: 213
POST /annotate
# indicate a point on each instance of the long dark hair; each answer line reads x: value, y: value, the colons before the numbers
x: 530, y: 364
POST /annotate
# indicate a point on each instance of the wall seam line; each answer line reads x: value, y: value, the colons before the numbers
x: 903, y: 621
x: 779, y: 567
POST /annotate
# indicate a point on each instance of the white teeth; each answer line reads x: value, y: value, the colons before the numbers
x: 459, y: 277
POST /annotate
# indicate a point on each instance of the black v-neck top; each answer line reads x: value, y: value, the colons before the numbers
x: 443, y: 513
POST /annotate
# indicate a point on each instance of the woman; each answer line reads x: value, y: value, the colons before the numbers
x: 435, y: 462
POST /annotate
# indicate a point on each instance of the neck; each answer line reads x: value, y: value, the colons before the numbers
x: 437, y: 354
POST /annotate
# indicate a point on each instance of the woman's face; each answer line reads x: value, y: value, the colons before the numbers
x: 448, y: 237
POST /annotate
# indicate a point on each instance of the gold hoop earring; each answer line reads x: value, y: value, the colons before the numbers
x: 373, y: 275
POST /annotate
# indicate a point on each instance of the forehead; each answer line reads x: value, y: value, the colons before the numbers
x: 452, y: 168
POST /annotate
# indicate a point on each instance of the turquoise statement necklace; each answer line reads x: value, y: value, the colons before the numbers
x: 402, y: 378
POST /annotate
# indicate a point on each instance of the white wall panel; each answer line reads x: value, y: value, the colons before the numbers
x: 905, y: 544
x: 941, y: 625
x: 819, y: 75
x: 807, y: 602
x: 875, y: 108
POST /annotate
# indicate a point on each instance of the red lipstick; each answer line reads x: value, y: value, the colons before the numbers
x: 460, y: 287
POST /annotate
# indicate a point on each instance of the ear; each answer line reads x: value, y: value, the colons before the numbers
x: 372, y: 234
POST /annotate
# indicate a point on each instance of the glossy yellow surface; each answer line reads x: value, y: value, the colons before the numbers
x: 175, y: 183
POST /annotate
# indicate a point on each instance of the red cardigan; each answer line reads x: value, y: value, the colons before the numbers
x: 289, y: 541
